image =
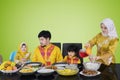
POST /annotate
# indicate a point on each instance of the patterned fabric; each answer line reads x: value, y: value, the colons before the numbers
x: 73, y: 60
x: 48, y: 53
x: 20, y: 54
x: 105, y: 48
x: 54, y: 56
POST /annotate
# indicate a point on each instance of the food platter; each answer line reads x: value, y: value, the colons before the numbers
x: 27, y: 71
x: 90, y: 75
x: 29, y: 68
x: 8, y: 67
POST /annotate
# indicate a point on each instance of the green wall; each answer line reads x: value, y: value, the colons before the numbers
x: 68, y: 21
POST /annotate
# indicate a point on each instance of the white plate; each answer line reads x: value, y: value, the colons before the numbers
x: 45, y: 71
x: 11, y: 71
x: 34, y: 64
x: 60, y: 65
x: 81, y: 72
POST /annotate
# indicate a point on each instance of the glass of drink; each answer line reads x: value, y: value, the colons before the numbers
x: 82, y: 53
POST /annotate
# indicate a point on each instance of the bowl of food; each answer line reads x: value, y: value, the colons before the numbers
x: 26, y: 71
x: 67, y: 71
x: 29, y: 68
x: 92, y: 65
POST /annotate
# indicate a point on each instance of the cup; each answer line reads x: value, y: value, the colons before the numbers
x: 82, y: 53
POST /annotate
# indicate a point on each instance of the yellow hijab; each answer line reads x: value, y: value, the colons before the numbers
x: 20, y: 51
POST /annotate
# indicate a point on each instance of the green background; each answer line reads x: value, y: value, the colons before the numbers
x: 67, y: 20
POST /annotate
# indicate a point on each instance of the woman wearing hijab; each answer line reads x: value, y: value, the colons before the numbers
x: 22, y: 55
x: 106, y: 42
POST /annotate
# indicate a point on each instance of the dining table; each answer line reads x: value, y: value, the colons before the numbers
x: 111, y: 72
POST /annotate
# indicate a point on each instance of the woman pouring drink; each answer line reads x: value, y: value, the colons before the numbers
x: 106, y: 42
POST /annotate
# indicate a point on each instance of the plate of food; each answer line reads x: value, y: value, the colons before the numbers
x: 29, y: 68
x: 90, y: 73
x: 9, y: 67
x: 50, y: 67
x: 27, y: 71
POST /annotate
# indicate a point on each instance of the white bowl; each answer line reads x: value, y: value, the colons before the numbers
x: 45, y: 72
x: 92, y: 65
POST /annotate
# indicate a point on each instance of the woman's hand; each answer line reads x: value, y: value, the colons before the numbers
x: 87, y: 45
x: 27, y: 55
x: 98, y: 57
x: 92, y: 58
x: 23, y: 60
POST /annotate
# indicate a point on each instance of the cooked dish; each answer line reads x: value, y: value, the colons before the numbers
x: 51, y: 67
x: 67, y: 72
x: 89, y: 72
x: 26, y: 70
x: 29, y: 68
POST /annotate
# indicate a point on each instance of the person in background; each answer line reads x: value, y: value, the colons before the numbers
x: 106, y: 42
x: 72, y: 57
x: 46, y: 53
x: 22, y: 55
x: 1, y: 59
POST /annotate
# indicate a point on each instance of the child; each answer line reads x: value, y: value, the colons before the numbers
x: 22, y: 55
x: 72, y: 57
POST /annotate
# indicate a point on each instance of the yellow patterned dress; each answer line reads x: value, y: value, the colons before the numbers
x: 105, y: 48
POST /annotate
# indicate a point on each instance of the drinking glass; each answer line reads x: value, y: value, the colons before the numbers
x: 82, y: 53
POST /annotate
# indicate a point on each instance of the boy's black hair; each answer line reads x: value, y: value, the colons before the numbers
x: 73, y: 48
x: 46, y: 34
